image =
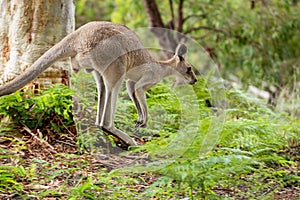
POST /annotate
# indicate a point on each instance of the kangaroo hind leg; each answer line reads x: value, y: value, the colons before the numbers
x: 101, y: 96
x: 112, y: 87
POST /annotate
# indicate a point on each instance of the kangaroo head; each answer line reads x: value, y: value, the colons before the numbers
x: 182, y: 66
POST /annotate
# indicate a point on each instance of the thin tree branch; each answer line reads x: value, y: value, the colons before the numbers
x: 252, y: 4
x: 172, y: 10
x: 206, y: 28
x: 180, y: 16
x: 194, y: 15
x: 202, y: 37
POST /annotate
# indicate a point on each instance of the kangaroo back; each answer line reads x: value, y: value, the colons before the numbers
x: 61, y: 50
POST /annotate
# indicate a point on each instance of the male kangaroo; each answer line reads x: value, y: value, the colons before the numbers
x: 110, y: 52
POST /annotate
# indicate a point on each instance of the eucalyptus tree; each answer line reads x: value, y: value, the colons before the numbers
x: 27, y: 29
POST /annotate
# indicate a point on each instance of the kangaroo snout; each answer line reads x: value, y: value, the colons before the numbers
x: 192, y: 82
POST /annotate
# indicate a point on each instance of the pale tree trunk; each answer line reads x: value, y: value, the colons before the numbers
x: 27, y: 29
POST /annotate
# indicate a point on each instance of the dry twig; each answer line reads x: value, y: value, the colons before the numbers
x: 41, y: 141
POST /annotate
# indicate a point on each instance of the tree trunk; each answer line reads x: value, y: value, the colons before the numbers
x: 168, y: 38
x: 27, y: 29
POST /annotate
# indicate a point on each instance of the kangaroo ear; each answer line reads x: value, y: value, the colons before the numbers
x: 181, y: 50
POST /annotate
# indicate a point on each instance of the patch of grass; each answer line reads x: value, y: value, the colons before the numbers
x: 11, y: 178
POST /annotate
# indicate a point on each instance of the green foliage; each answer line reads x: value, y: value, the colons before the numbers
x: 51, y: 107
x: 200, y: 175
x: 131, y: 19
x: 105, y: 185
x: 258, y: 45
x: 249, y: 154
x: 11, y: 178
x: 92, y: 10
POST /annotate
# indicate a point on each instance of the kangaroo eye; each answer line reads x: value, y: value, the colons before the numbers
x: 189, y: 69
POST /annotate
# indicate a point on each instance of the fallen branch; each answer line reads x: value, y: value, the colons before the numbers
x: 41, y: 141
x: 66, y: 143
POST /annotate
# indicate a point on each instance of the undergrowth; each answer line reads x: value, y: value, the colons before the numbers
x: 49, y: 111
x: 255, y: 155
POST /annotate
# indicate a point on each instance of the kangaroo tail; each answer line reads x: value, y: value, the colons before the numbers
x: 62, y: 49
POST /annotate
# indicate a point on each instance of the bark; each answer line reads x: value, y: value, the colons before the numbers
x: 153, y: 14
x: 180, y: 16
x: 27, y: 29
x: 168, y: 39
x: 295, y: 2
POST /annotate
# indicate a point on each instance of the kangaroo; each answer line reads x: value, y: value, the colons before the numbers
x: 111, y: 52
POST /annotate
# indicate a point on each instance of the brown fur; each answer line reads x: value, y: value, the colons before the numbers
x: 111, y: 52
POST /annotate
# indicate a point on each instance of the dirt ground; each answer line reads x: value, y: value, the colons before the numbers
x: 61, y: 155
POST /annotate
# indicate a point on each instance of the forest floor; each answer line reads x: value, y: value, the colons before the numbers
x: 51, y: 169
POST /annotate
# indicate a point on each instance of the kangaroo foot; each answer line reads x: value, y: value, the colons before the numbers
x: 120, y: 135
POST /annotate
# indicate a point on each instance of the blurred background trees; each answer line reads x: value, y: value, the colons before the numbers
x: 255, y: 42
